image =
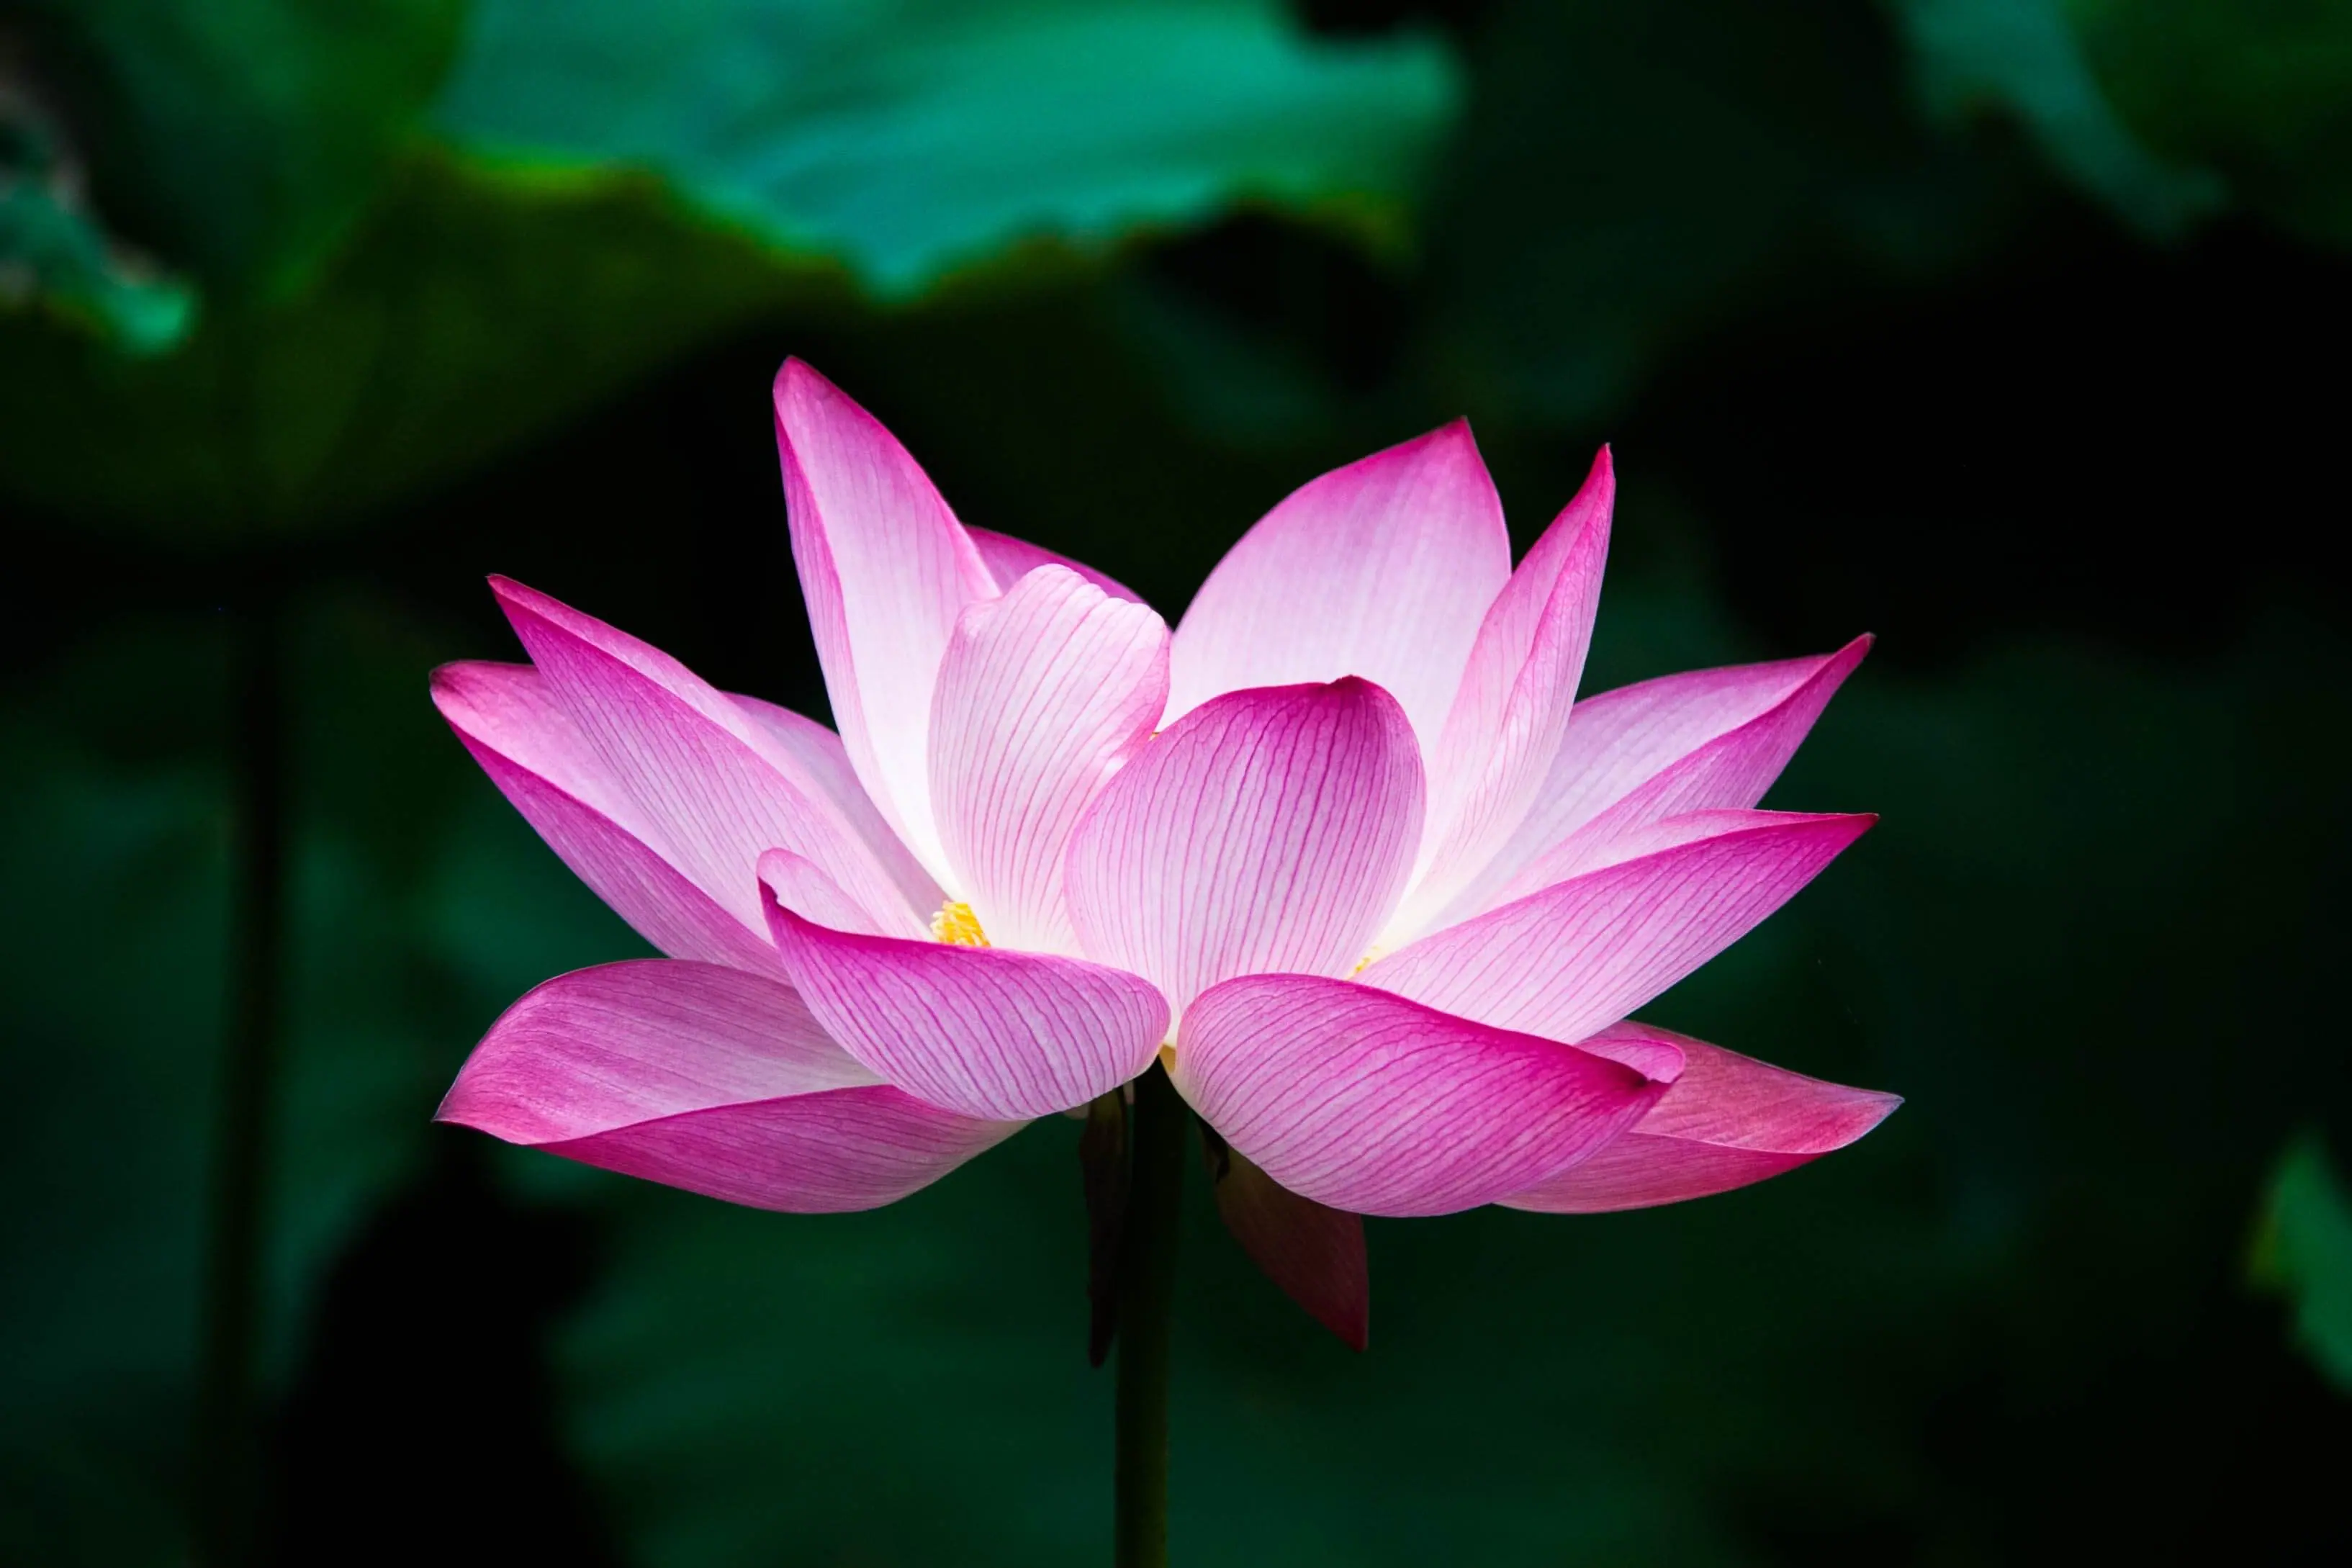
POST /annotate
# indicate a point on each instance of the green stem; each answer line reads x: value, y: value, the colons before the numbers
x: 1147, y: 1286
x: 227, y: 1440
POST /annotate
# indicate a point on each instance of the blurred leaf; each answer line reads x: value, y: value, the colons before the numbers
x: 240, y: 139
x: 626, y: 182
x: 2023, y: 57
x: 55, y: 255
x: 1635, y: 177
x: 475, y: 310
x: 113, y: 832
x: 912, y: 137
x: 2304, y: 1251
x: 2164, y: 109
x: 2259, y: 89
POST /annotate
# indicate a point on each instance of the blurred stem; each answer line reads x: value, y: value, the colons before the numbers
x: 1147, y: 1285
x: 227, y: 1461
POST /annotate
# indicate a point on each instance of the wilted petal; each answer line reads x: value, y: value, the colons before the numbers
x: 885, y: 569
x: 985, y: 1032
x: 1009, y: 560
x: 711, y: 786
x: 1269, y: 830
x: 1381, y: 568
x: 545, y: 767
x: 1315, y: 1254
x: 709, y: 1080
x: 1042, y: 695
x: 1372, y: 1103
x: 1511, y: 716
x: 1585, y: 952
x: 1727, y: 1121
x: 1704, y: 741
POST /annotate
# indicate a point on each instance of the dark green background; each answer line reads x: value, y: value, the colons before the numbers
x: 2010, y: 329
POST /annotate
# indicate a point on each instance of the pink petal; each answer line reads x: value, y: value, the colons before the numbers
x: 1582, y: 954
x: 1368, y: 1102
x: 1268, y: 830
x: 1511, y: 716
x: 1010, y: 560
x: 985, y: 1032
x: 711, y: 786
x: 506, y: 717
x: 1703, y: 741
x: 1044, y: 695
x: 1381, y: 568
x: 706, y: 1078
x: 885, y: 569
x: 799, y: 885
x: 825, y: 767
x: 1727, y: 1121
x: 1316, y: 1255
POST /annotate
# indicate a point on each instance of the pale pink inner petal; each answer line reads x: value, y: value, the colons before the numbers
x: 706, y: 1078
x: 801, y: 887
x: 1730, y: 1120
x: 1511, y: 715
x: 1567, y: 961
x: 1010, y: 560
x: 506, y: 720
x: 1044, y: 695
x: 1695, y: 741
x: 1268, y: 830
x: 712, y: 787
x: 984, y: 1032
x: 885, y: 568
x: 1370, y: 1103
x: 826, y: 766
x: 1383, y: 569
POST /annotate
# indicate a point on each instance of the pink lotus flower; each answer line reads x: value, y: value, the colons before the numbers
x: 1342, y: 851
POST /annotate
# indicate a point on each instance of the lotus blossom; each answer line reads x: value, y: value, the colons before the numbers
x: 1344, y: 852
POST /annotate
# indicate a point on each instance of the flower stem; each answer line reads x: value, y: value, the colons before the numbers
x: 227, y: 1439
x: 1147, y: 1285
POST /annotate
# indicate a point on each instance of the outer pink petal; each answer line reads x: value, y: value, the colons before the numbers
x: 1268, y: 830
x: 1730, y: 1121
x: 1703, y: 741
x: 1009, y: 560
x: 1044, y: 695
x: 1315, y: 1254
x: 711, y: 786
x: 980, y: 1031
x: 709, y: 1080
x: 542, y: 764
x: 1381, y: 568
x: 1574, y: 957
x: 885, y: 569
x: 1370, y: 1103
x: 1511, y: 716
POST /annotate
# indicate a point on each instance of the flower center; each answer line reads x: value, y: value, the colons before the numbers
x: 956, y: 925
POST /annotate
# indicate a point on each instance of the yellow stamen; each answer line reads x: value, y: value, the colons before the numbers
x: 958, y: 926
x: 1364, y: 963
